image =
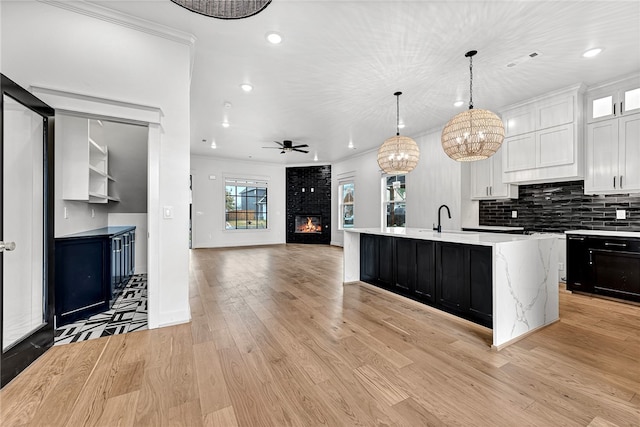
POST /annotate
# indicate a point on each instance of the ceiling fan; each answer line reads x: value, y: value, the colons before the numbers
x: 287, y: 146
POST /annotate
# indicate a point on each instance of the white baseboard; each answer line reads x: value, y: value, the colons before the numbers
x: 332, y: 243
x: 172, y: 318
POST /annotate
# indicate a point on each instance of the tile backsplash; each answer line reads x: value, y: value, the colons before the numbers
x: 556, y: 207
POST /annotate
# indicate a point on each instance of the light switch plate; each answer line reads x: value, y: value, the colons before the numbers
x: 167, y: 212
x: 621, y: 214
x: 514, y: 214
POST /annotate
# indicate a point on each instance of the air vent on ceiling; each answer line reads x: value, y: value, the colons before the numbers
x: 524, y: 59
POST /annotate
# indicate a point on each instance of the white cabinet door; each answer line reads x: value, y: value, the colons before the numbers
x: 554, y: 112
x: 481, y: 178
x: 519, y: 121
x: 630, y: 98
x: 602, y: 156
x: 498, y: 188
x: 601, y: 105
x: 519, y: 152
x: 629, y: 153
x: 554, y: 146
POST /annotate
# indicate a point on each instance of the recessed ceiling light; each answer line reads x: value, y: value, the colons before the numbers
x: 458, y: 103
x: 225, y: 124
x: 274, y: 38
x: 401, y: 125
x: 351, y: 146
x: 213, y: 145
x: 592, y: 52
x: 315, y: 157
x: 246, y: 87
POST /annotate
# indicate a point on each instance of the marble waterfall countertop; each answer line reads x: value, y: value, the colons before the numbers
x: 451, y: 236
x: 524, y: 270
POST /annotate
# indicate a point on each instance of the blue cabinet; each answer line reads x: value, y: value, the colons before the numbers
x: 92, y: 268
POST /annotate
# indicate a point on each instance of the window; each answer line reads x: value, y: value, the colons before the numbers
x: 346, y: 192
x: 245, y: 204
x: 395, y: 195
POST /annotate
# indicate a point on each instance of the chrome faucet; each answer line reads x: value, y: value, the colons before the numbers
x: 439, y: 227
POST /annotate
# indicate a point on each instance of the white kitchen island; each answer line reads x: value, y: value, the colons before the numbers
x: 523, y: 274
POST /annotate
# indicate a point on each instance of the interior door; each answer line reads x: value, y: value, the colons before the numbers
x: 26, y: 229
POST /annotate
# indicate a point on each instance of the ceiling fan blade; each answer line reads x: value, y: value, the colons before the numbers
x: 277, y: 148
x: 302, y: 151
x: 279, y: 143
x: 300, y: 146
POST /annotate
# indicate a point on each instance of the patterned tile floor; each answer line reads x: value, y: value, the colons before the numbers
x: 128, y: 314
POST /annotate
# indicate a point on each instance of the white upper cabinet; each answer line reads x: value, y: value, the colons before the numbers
x: 613, y: 100
x: 486, y: 180
x: 544, y: 138
x: 85, y: 160
x: 613, y: 156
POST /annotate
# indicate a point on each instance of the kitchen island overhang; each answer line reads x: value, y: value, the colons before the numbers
x: 524, y: 269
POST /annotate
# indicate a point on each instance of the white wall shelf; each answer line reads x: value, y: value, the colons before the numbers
x: 85, y: 175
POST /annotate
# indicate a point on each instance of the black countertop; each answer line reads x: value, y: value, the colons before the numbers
x: 100, y: 232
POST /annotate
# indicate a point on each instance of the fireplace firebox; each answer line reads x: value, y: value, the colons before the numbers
x: 308, y: 224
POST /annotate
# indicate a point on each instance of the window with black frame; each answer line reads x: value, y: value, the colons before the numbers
x: 245, y: 204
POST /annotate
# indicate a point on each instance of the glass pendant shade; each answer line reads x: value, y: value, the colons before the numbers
x: 399, y: 154
x: 472, y: 135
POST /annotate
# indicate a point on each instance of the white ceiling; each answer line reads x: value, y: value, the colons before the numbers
x: 332, y: 79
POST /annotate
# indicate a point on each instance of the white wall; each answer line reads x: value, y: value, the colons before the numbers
x: 50, y: 46
x: 208, y: 229
x: 435, y: 181
x: 364, y: 171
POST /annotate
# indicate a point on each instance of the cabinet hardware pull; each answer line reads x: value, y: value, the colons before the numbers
x: 621, y: 245
x: 614, y: 182
x: 620, y: 181
x: 590, y: 257
x: 491, y: 190
x: 487, y: 189
x: 614, y: 108
x: 620, y: 107
x: 576, y: 238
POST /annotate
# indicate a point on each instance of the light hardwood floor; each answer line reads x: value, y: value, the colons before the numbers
x: 277, y: 340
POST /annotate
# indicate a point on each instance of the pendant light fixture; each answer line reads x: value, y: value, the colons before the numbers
x: 224, y: 9
x: 473, y: 134
x: 399, y: 154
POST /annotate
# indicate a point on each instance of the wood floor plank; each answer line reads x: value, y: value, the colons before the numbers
x: 212, y: 388
x: 280, y: 341
x: 222, y: 417
x: 119, y: 411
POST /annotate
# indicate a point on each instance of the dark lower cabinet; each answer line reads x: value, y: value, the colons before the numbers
x: 404, y: 259
x: 376, y: 260
x: 603, y: 265
x: 480, y: 282
x: 425, y: 288
x: 452, y: 277
x: 82, y: 279
x: 464, y: 281
x: 451, y: 286
x: 92, y: 268
x: 578, y: 264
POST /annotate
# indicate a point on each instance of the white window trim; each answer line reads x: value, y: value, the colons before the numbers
x: 385, y: 202
x: 341, y: 204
